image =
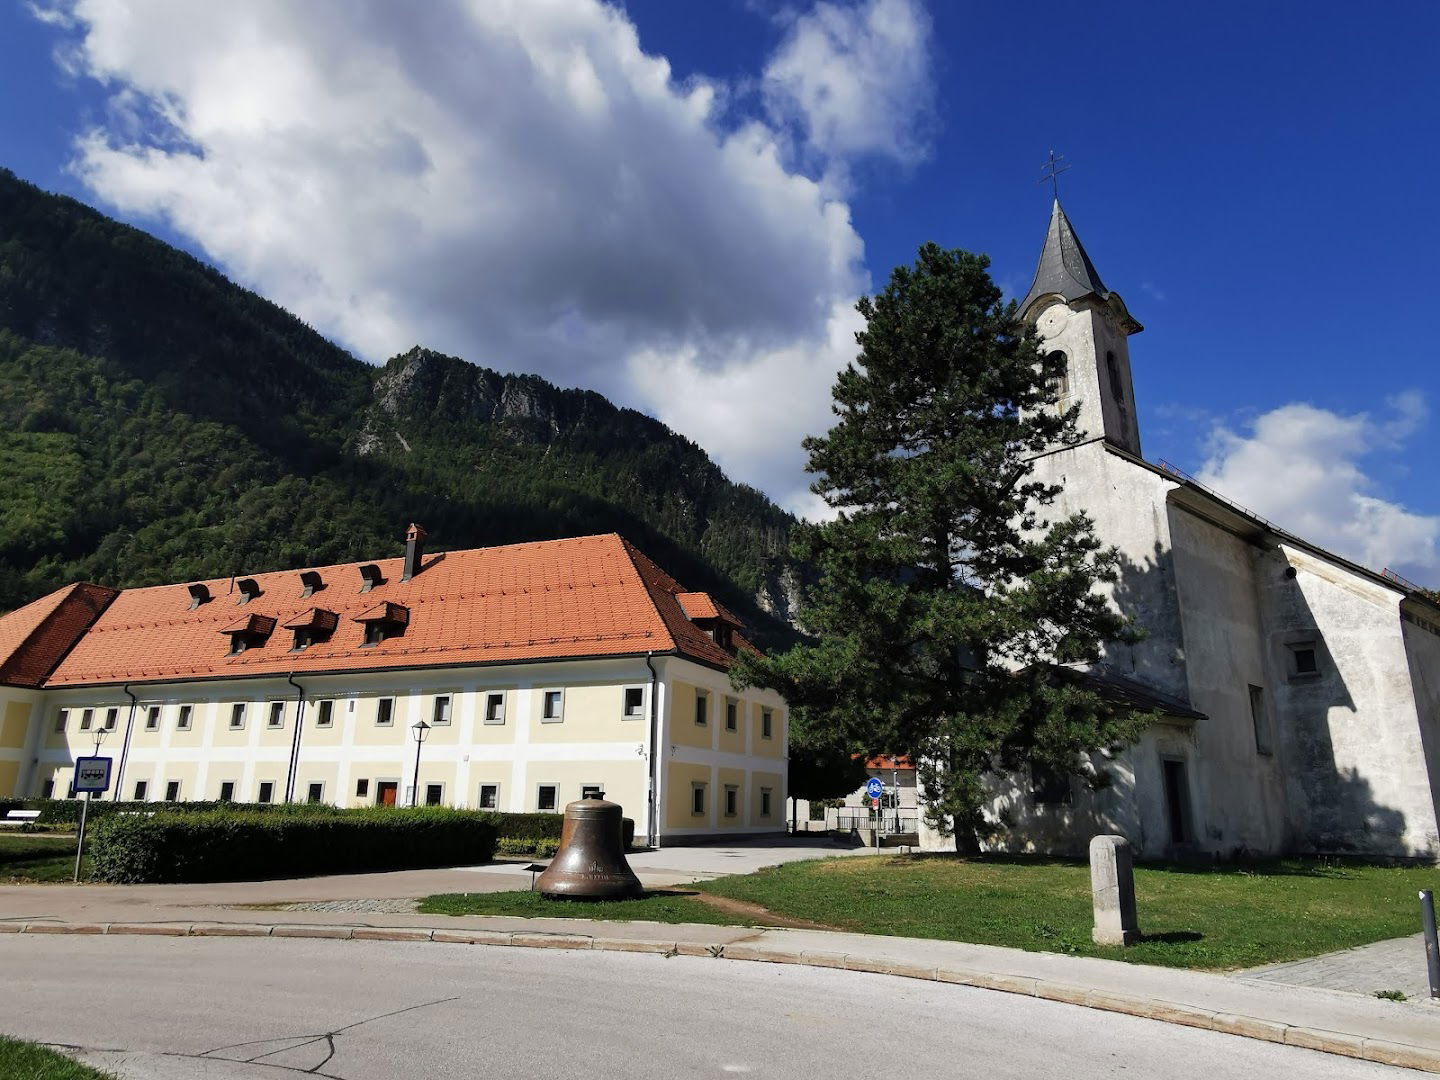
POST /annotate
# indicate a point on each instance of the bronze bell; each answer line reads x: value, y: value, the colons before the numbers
x: 590, y: 864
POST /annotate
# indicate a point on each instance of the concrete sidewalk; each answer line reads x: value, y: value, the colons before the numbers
x: 1388, y: 1032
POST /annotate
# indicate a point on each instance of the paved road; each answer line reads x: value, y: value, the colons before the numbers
x: 261, y: 1009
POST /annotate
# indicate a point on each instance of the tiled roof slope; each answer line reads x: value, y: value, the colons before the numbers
x: 34, y: 638
x: 589, y: 596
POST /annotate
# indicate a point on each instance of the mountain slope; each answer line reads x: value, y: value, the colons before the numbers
x: 159, y: 423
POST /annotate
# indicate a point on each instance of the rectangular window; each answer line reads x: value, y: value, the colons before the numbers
x: 592, y: 791
x: 112, y: 717
x: 325, y: 717
x: 152, y: 718
x: 374, y: 633
x: 494, y: 708
x: 1260, y: 720
x: 732, y: 715
x: 362, y: 788
x: 1177, y: 801
x: 385, y: 712
x: 732, y: 800
x: 315, y: 792
x: 267, y: 791
x: 277, y: 715
x: 141, y: 788
x: 60, y: 718
x: 634, y: 702
x: 1304, y: 659
x: 172, y: 791
x: 227, y: 791
x: 434, y: 794
x: 697, y: 799
x: 546, y: 796
x: 86, y: 719
x: 47, y: 789
x: 702, y: 708
x: 767, y: 724
x: 1048, y: 787
x: 440, y: 715
x: 182, y: 718
x: 554, y: 708
x: 489, y: 797
x: 237, y: 716
x: 765, y: 802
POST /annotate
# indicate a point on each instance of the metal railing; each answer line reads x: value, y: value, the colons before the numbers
x: 889, y: 821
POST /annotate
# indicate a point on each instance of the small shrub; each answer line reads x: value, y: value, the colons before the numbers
x: 546, y: 849
x: 1392, y: 995
x: 514, y: 845
x: 236, y: 844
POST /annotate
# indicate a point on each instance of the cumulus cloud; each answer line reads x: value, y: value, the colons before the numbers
x: 512, y: 181
x: 1303, y: 467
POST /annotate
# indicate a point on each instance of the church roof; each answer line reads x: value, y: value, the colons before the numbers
x: 1065, y: 269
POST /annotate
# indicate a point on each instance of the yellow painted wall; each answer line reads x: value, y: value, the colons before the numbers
x: 730, y: 778
x: 9, y: 778
x: 308, y: 774
x: 730, y: 742
x: 678, y: 779
x: 15, y: 725
x: 369, y: 733
x: 592, y: 713
x: 776, y: 783
x: 494, y: 733
x: 622, y: 781
x: 773, y: 746
x: 682, y: 727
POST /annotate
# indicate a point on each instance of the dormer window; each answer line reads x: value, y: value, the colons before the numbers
x: 199, y: 594
x: 249, y: 589
x: 717, y: 623
x: 312, y: 627
x: 310, y: 583
x: 370, y: 577
x: 249, y: 633
x: 384, y: 621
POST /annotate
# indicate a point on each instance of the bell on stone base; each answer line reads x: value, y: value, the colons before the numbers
x: 590, y: 864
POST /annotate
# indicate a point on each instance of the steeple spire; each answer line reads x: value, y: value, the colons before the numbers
x: 1064, y: 267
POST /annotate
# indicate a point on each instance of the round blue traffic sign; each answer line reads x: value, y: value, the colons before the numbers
x: 874, y: 788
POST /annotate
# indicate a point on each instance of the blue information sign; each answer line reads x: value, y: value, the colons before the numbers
x: 92, y: 774
x: 874, y: 788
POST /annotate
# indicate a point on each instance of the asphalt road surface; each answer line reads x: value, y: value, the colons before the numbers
x: 264, y: 1009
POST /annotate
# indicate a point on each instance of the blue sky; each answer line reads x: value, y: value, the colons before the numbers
x: 1255, y: 180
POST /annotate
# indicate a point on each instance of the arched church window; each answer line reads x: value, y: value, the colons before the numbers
x: 1113, y: 367
x: 1061, y: 382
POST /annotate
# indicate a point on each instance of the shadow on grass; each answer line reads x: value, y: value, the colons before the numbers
x: 1171, y: 937
x: 1317, y: 867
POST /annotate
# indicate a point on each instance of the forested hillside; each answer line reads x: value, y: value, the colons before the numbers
x: 158, y: 423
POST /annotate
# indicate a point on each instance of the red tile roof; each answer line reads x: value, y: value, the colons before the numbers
x: 583, y: 597
x: 883, y: 761
x: 34, y: 638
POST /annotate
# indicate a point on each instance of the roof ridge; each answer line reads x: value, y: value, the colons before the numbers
x: 634, y: 555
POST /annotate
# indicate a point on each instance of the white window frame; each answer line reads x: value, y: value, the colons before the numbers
x: 702, y: 708
x: 597, y: 786
x: 179, y: 790
x: 325, y: 718
x: 701, y: 788
x: 62, y: 717
x: 638, y: 714
x: 87, y: 719
x: 379, y: 709
x: 184, y: 717
x: 732, y: 798
x: 732, y: 713
x: 221, y: 796
x: 312, y: 784
x: 556, y: 788
x: 436, y: 720
x: 559, y: 717
x: 260, y: 792
x: 426, y: 785
x: 767, y: 722
x: 499, y: 717
x: 480, y: 795
x: 237, y: 715
x: 152, y: 717
x: 141, y: 791
x: 767, y: 802
x: 112, y: 719
x: 272, y: 713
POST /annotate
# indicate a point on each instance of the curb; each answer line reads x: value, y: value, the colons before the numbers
x: 1404, y: 1055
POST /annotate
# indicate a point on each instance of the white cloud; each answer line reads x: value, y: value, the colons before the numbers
x: 856, y: 80
x: 1303, y: 468
x: 515, y: 182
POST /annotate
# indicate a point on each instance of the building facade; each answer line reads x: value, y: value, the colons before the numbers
x: 1299, y: 692
x: 516, y: 678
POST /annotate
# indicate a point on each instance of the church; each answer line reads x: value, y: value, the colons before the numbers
x: 1298, y: 692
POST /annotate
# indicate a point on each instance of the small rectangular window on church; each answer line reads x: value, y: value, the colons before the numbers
x: 1048, y: 787
x: 1304, y: 660
x: 1261, y: 720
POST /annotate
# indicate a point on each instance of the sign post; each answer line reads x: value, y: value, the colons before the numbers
x: 874, y: 789
x: 92, y: 776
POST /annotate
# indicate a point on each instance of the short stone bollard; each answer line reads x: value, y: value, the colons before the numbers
x: 1112, y: 887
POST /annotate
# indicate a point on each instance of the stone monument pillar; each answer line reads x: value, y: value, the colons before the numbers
x: 1112, y: 887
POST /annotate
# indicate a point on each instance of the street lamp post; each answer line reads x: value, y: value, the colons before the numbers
x: 99, y: 735
x: 421, y: 729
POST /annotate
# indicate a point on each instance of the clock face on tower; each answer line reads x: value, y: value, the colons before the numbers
x: 1051, y: 320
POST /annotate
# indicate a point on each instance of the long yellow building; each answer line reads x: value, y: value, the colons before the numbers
x: 512, y: 678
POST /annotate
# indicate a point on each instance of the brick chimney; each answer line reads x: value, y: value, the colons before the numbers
x: 414, y: 551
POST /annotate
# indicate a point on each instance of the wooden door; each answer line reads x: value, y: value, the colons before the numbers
x: 385, y: 793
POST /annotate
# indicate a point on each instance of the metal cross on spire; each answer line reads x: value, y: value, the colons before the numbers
x: 1051, y: 171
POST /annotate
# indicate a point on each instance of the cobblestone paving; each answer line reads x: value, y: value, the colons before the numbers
x: 376, y: 907
x: 1397, y: 964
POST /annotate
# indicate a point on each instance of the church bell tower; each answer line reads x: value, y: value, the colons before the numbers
x: 1076, y: 315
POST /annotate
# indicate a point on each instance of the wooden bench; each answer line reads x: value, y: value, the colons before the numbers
x: 16, y: 818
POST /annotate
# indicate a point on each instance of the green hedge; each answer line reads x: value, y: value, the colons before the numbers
x: 233, y: 844
x: 67, y: 811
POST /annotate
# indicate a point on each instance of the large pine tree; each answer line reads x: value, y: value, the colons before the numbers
x: 947, y: 597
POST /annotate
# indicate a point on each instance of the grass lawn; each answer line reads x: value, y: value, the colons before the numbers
x: 26, y: 1061
x: 1199, y: 917
x: 27, y: 857
x: 656, y: 907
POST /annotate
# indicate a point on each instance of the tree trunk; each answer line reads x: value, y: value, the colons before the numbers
x: 967, y: 833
